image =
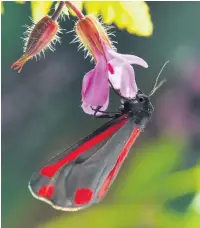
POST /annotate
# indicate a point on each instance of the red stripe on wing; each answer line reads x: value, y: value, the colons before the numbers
x: 120, y: 160
x: 50, y: 170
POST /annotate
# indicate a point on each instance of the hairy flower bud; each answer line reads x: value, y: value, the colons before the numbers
x: 92, y: 34
x: 39, y: 38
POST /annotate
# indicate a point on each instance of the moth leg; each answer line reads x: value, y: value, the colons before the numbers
x: 96, y: 110
x: 106, y: 114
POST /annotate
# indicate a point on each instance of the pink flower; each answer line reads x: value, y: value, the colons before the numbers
x: 110, y: 66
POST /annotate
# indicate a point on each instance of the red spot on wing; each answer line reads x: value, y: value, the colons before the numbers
x: 120, y: 160
x: 83, y: 196
x: 110, y: 68
x: 50, y: 170
x: 46, y: 191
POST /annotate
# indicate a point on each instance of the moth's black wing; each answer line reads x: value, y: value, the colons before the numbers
x: 82, y: 174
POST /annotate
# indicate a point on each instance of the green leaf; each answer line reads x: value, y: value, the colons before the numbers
x: 177, y: 184
x: 105, y: 216
x: 152, y: 164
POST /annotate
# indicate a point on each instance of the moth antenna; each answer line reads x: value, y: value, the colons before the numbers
x: 158, y: 85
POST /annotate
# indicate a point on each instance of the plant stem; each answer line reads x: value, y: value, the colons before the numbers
x: 58, y: 11
x: 75, y: 9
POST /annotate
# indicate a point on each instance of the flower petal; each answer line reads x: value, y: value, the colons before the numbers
x: 116, y: 62
x: 115, y: 77
x: 123, y: 77
x: 128, y: 87
x: 133, y: 59
x: 89, y: 109
x: 119, y: 58
x: 87, y: 80
x: 95, y: 88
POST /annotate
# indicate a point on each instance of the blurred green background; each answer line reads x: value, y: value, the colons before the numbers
x: 159, y: 184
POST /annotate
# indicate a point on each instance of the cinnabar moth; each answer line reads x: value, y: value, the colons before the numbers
x: 82, y: 174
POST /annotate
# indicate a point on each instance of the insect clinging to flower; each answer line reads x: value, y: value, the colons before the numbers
x: 82, y: 174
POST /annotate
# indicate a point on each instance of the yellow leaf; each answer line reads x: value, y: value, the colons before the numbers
x: 133, y: 16
x: 139, y: 18
x: 108, y: 12
x: 21, y: 2
x: 92, y: 7
x: 40, y: 9
x: 2, y: 8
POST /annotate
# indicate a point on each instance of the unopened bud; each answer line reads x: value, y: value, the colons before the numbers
x: 40, y: 37
x: 92, y: 34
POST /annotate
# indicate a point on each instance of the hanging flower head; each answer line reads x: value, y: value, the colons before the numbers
x: 39, y: 37
x: 110, y: 66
